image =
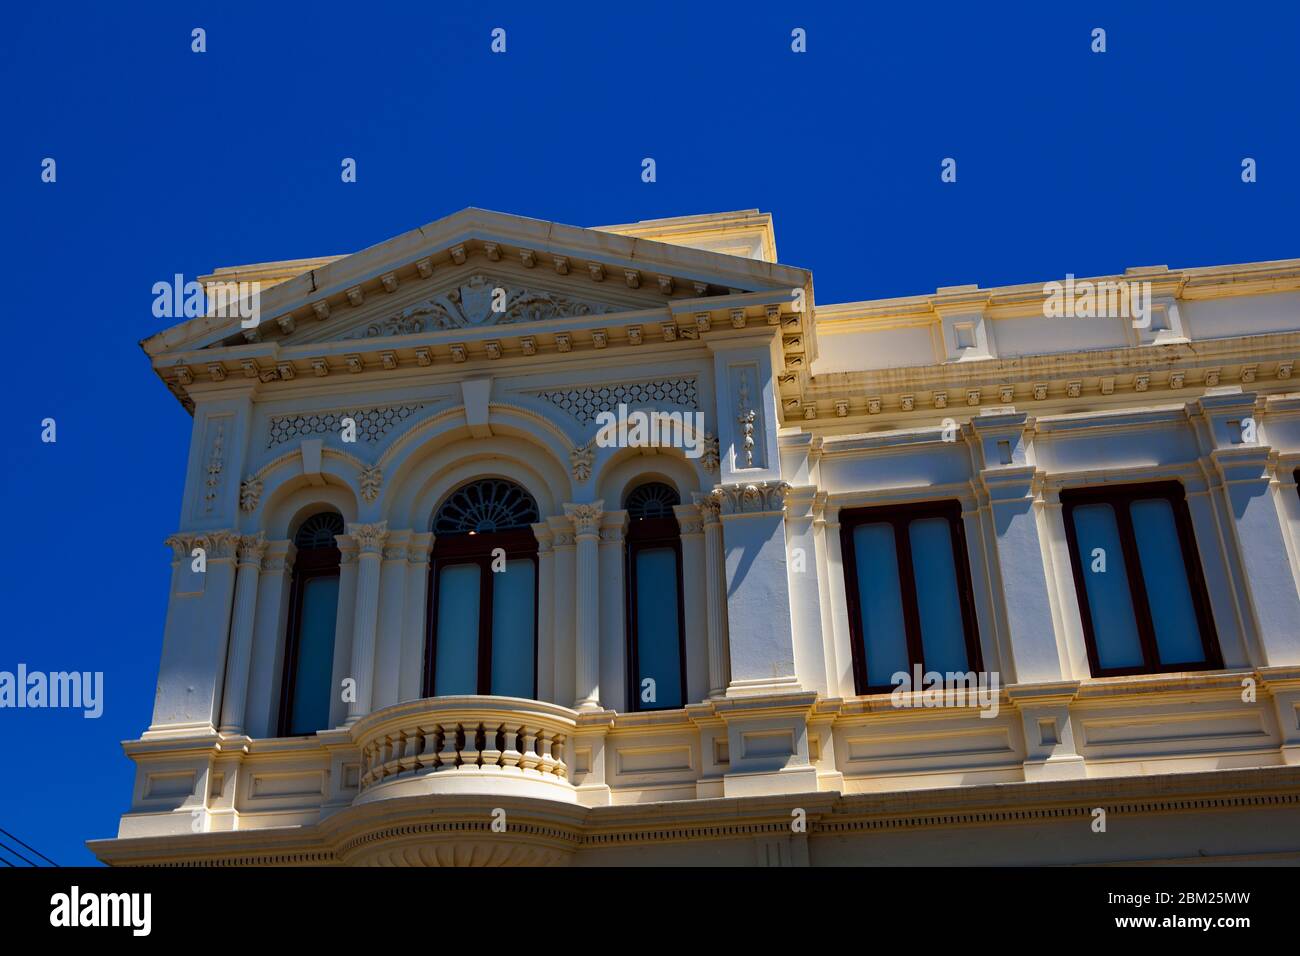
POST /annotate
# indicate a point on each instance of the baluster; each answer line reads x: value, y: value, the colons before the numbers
x: 545, y: 746
x: 491, y: 755
x: 510, y: 755
x: 557, y: 753
x: 469, y: 753
x: 428, y: 757
x: 389, y: 752
x: 448, y: 756
x: 530, y: 759
x: 410, y: 748
x: 367, y: 766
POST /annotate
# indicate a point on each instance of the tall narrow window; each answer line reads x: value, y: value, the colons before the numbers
x: 909, y: 592
x: 1142, y: 597
x: 483, y: 593
x: 657, y: 656
x: 313, y: 607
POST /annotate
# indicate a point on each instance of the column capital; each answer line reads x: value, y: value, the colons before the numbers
x: 419, y: 547
x: 370, y: 538
x: 585, y: 517
x: 613, y: 527
x: 216, y: 544
x: 689, y: 519
x: 708, y: 505
x: 252, y: 549
x: 279, y: 556
x: 545, y: 537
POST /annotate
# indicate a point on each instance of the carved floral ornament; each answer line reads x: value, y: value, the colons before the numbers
x: 371, y: 480
x: 250, y: 494
x: 216, y: 545
x: 370, y: 538
x: 479, y: 301
x: 751, y: 497
x: 585, y: 517
x: 583, y: 457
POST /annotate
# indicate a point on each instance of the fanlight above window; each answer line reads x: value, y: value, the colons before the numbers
x: 652, y: 500
x: 486, y: 506
x: 318, y: 531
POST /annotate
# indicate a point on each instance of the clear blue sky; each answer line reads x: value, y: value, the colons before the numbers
x: 170, y: 161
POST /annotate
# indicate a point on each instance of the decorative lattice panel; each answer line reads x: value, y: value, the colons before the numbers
x: 585, y: 403
x: 372, y: 423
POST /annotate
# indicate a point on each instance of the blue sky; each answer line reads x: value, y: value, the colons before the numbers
x: 170, y: 161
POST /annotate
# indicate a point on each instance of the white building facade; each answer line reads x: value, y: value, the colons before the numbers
x: 423, y: 611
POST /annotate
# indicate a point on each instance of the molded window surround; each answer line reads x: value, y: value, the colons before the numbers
x: 908, y: 586
x: 1138, y: 580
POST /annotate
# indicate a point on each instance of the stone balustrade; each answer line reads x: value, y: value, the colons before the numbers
x: 463, y: 745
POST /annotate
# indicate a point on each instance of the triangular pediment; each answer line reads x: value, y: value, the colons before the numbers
x: 446, y: 276
x: 471, y: 297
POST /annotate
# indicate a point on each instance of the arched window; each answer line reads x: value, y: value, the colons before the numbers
x: 656, y: 652
x: 313, y: 607
x: 483, y: 593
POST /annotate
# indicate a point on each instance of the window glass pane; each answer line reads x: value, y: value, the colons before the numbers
x: 881, y: 599
x: 657, y: 646
x: 513, y: 617
x: 943, y: 639
x: 313, y: 675
x: 1178, y: 633
x: 1109, y: 600
x: 456, y: 640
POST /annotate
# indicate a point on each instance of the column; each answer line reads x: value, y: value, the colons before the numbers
x: 415, y: 629
x: 564, y: 667
x: 392, y: 620
x: 545, y: 613
x: 613, y: 623
x: 262, y: 711
x: 370, y: 540
x: 803, y: 505
x: 760, y: 636
x: 714, y: 597
x: 586, y: 527
x: 835, y: 615
x: 234, y: 700
x: 695, y: 615
x: 343, y: 627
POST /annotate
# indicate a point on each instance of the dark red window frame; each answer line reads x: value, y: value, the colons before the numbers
x: 645, y: 534
x: 308, y: 563
x: 900, y: 516
x: 1120, y: 497
x: 477, y: 549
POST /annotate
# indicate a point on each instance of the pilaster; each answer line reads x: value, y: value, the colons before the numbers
x: 586, y: 527
x: 250, y: 551
x: 613, y: 621
x: 1011, y: 486
x: 195, y: 635
x: 760, y: 636
x: 370, y: 540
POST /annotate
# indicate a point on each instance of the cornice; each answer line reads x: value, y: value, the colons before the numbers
x: 882, y: 398
x: 525, y: 347
x: 537, y: 825
x: 420, y: 253
x: 1010, y: 301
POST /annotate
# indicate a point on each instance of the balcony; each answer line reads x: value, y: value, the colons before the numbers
x: 466, y: 745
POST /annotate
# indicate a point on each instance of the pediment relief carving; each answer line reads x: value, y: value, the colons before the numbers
x: 478, y: 302
x: 472, y: 297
